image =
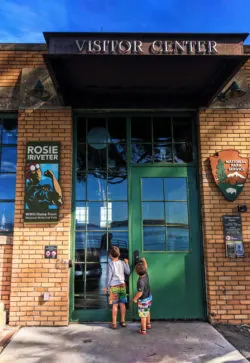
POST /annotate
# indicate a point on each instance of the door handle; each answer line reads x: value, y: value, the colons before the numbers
x: 136, y: 257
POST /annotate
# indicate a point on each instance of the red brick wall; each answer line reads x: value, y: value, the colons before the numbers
x: 228, y: 280
x: 32, y: 275
x: 5, y: 273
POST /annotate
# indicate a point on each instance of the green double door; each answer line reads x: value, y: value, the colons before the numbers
x: 164, y: 228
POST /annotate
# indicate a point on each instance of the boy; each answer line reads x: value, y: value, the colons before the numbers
x: 115, y: 281
x: 143, y: 297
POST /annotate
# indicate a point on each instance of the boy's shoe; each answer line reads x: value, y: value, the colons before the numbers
x: 149, y: 326
x: 142, y: 332
x: 113, y: 326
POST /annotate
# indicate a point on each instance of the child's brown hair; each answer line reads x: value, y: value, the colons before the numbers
x: 115, y: 251
x: 140, y: 268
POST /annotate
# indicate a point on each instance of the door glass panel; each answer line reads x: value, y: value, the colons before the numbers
x: 171, y: 209
x: 176, y: 213
x: 178, y: 239
x: 154, y: 238
x: 80, y: 244
x: 153, y: 212
x: 175, y: 188
x: 152, y: 189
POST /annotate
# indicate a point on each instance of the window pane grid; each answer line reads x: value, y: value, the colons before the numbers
x: 172, y: 234
x: 101, y: 204
x: 8, y: 152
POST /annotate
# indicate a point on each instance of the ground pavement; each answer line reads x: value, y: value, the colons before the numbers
x: 96, y: 343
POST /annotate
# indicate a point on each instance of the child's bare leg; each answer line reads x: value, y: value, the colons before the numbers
x: 148, y: 319
x: 143, y: 323
x: 114, y: 313
x: 123, y: 311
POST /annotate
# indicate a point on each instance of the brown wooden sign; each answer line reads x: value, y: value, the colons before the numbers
x: 230, y: 172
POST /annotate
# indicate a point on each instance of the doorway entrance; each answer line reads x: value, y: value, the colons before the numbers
x: 136, y: 188
x: 165, y: 232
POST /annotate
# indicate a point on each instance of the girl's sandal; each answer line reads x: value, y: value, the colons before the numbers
x: 142, y: 332
x: 149, y: 326
x: 123, y: 324
x: 113, y: 326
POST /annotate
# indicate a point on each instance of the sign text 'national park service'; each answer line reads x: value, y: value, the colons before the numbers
x: 230, y: 172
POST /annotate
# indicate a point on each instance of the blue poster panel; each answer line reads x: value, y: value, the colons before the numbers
x: 43, y: 194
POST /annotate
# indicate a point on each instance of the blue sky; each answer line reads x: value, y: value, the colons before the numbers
x: 25, y: 20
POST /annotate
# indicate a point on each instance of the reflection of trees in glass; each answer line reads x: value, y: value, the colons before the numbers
x: 114, y: 171
x: 141, y: 153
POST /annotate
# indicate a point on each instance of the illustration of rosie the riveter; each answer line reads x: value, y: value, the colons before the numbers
x: 39, y: 197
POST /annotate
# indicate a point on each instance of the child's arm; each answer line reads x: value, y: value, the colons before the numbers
x: 108, y: 278
x: 126, y: 266
x: 145, y: 262
x: 137, y: 296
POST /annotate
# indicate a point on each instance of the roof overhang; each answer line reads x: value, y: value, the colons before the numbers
x: 176, y: 79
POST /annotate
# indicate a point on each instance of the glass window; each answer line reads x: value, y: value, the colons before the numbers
x: 141, y: 129
x: 97, y: 186
x: 176, y: 213
x: 141, y: 153
x: 162, y: 129
x: 117, y: 188
x: 6, y: 216
x: 154, y: 238
x: 178, y: 239
x: 153, y: 212
x: 117, y: 128
x: 175, y: 188
x: 8, y: 156
x: 169, y: 211
x: 152, y: 189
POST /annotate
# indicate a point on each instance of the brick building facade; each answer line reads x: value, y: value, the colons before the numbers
x: 25, y: 275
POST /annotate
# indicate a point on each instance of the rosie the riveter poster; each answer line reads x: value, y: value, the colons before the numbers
x: 43, y: 194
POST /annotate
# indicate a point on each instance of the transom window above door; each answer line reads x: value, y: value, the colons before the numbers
x: 164, y: 211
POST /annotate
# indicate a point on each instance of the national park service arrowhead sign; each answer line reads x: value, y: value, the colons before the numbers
x: 230, y: 172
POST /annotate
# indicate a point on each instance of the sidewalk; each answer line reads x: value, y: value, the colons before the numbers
x: 5, y: 335
x: 196, y: 342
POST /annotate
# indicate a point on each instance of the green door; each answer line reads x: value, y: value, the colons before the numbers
x: 165, y: 230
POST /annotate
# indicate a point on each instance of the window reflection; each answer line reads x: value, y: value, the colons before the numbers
x: 8, y: 159
x: 153, y: 212
x: 97, y: 185
x: 117, y: 154
x: 178, y: 239
x: 117, y: 188
x: 154, y: 238
x: 9, y: 131
x: 141, y: 154
x: 141, y: 129
x: 176, y: 213
x: 163, y: 153
x: 152, y: 189
x: 7, y: 186
x: 6, y: 216
x: 175, y: 188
